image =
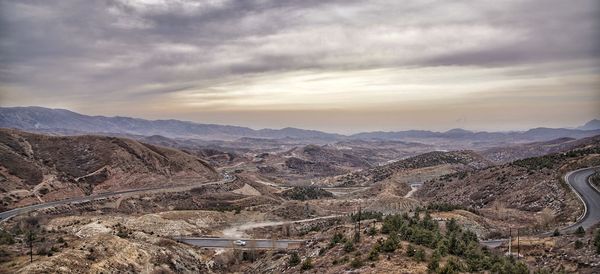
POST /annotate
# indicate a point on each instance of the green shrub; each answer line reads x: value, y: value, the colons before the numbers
x: 307, y: 264
x: 580, y: 232
x: 294, y: 259
x: 578, y: 244
x: 420, y: 255
x: 434, y: 262
x: 374, y: 253
x: 451, y: 267
x: 348, y: 246
x: 556, y: 233
x: 410, y: 251
x: 372, y: 231
x: 337, y: 238
x: 390, y: 244
x: 356, y: 262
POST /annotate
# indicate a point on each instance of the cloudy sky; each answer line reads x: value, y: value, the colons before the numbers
x: 340, y: 66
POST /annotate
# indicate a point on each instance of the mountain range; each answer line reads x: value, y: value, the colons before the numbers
x: 61, y: 121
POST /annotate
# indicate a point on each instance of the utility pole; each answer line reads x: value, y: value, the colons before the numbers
x: 518, y: 245
x: 30, y: 238
x: 510, y: 241
x: 359, y: 217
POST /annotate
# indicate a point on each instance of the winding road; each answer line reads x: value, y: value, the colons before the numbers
x: 22, y: 210
x: 579, y: 182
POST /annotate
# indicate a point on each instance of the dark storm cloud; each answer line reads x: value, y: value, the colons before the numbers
x: 117, y: 48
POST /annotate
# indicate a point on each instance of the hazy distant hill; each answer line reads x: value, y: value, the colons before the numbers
x: 532, y: 135
x: 65, y: 121
x: 591, y: 125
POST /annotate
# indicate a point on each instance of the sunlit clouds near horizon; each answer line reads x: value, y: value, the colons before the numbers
x: 340, y: 66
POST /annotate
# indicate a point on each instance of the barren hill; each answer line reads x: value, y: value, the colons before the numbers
x: 308, y: 162
x: 326, y: 155
x: 37, y: 167
x: 451, y: 161
x: 528, y: 186
x: 511, y: 153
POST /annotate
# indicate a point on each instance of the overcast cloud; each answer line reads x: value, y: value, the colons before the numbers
x: 364, y: 65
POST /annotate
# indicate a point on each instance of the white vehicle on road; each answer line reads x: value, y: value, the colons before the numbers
x: 239, y: 242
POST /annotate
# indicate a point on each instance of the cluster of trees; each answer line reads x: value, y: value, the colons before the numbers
x: 461, y: 246
x: 538, y: 163
x: 306, y: 193
x: 366, y: 215
x: 444, y: 207
x: 548, y: 161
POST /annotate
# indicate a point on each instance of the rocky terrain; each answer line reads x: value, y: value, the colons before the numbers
x: 36, y: 168
x: 302, y: 164
x: 511, y: 153
x: 280, y: 189
x: 520, y: 188
x: 449, y: 161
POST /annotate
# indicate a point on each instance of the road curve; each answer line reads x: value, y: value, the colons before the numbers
x: 22, y: 210
x: 579, y: 182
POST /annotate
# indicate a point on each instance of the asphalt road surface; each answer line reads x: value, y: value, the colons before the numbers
x: 250, y: 243
x: 22, y: 210
x: 494, y: 243
x: 578, y: 180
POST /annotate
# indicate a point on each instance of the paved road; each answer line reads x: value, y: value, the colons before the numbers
x: 413, y: 188
x: 250, y: 243
x: 22, y: 210
x: 493, y: 243
x: 579, y: 181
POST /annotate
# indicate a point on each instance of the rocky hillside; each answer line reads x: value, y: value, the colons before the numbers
x: 532, y: 185
x: 455, y: 160
x: 323, y: 154
x: 511, y: 153
x: 37, y: 167
x: 307, y: 162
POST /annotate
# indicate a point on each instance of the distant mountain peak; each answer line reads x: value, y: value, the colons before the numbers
x: 458, y: 131
x: 591, y: 125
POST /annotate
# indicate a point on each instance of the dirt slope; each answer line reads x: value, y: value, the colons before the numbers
x: 37, y: 167
x: 532, y: 185
x: 454, y: 160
